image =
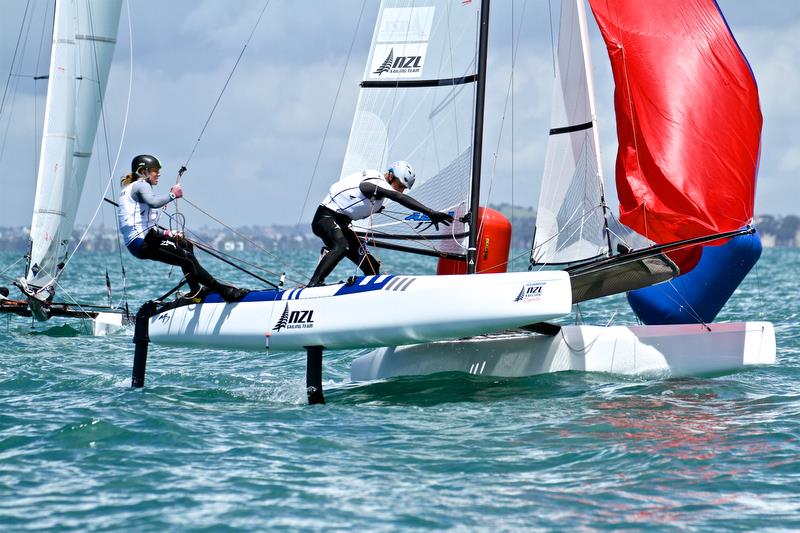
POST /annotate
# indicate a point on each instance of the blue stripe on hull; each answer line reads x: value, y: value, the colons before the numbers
x: 361, y: 284
x: 365, y: 284
x: 255, y: 296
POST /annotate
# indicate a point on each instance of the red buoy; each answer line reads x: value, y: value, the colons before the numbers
x: 492, y: 246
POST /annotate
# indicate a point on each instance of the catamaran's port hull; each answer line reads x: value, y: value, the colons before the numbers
x: 665, y: 351
x: 372, y: 311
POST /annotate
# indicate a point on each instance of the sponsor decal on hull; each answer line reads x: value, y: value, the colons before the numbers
x: 297, y: 319
x: 531, y: 292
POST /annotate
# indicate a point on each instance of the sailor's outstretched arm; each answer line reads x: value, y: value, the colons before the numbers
x: 372, y: 190
x: 143, y: 192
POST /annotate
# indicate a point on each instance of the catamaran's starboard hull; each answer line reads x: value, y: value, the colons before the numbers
x: 373, y: 311
x: 663, y: 351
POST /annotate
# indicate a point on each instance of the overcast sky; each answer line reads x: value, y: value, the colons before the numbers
x: 255, y: 163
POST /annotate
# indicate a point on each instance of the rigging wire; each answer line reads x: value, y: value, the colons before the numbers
x: 424, y: 241
x: 15, y: 78
x: 3, y: 272
x: 14, y: 57
x: 109, y: 183
x: 112, y: 169
x: 242, y: 236
x: 330, y: 117
x: 36, y: 136
x: 552, y: 36
x: 509, y: 96
x: 224, y: 87
x: 513, y: 72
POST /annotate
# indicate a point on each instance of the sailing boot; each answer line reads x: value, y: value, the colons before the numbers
x: 229, y: 293
x: 233, y: 294
x: 327, y: 263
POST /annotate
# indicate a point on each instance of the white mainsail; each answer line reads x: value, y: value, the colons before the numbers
x: 416, y: 103
x: 570, y: 217
x: 84, y: 35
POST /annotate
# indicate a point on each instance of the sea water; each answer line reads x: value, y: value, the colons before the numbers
x: 224, y: 440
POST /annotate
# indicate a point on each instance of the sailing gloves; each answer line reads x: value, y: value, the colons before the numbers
x: 176, y: 191
x: 172, y: 234
x: 439, y: 217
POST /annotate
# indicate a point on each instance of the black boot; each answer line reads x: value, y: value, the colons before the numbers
x: 228, y: 293
x: 233, y: 294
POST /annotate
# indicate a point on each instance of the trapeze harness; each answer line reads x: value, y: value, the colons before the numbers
x: 136, y: 215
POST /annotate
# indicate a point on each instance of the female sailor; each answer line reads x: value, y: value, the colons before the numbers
x: 145, y: 240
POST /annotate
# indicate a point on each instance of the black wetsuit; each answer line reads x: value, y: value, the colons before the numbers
x: 179, y: 252
x: 334, y: 230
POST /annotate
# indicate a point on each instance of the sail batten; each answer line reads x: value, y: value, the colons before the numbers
x: 570, y: 218
x: 416, y: 103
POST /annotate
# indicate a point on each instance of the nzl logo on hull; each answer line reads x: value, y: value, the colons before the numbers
x: 295, y: 319
x: 530, y: 292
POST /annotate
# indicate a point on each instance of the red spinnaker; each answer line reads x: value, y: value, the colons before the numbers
x: 688, y: 118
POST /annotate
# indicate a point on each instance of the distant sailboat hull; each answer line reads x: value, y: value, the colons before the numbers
x: 658, y: 351
x: 372, y: 311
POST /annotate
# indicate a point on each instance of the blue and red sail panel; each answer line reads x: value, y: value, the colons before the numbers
x: 688, y: 118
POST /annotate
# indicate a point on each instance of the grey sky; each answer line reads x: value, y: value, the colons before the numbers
x: 255, y: 162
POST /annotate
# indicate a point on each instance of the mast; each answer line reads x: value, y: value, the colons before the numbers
x: 477, y: 144
x: 587, y: 60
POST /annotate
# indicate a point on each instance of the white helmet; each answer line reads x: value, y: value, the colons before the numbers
x: 402, y: 170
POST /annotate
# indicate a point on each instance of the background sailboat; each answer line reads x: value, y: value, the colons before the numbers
x: 84, y: 36
x: 682, y: 176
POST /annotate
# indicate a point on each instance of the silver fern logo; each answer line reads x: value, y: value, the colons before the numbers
x: 386, y: 65
x: 530, y: 292
x: 298, y: 319
x: 400, y: 62
x: 282, y: 320
x: 521, y: 295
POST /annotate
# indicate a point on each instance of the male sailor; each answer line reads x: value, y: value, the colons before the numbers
x: 145, y: 240
x: 356, y: 197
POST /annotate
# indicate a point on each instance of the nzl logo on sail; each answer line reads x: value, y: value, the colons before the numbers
x: 295, y: 319
x: 530, y: 292
x: 409, y: 64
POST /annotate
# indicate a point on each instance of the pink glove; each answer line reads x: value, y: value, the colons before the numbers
x: 173, y: 234
x: 176, y: 191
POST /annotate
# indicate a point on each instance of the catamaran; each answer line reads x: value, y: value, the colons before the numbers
x: 84, y: 36
x: 684, y: 184
x: 689, y: 129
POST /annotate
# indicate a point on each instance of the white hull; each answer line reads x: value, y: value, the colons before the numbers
x: 666, y: 351
x: 107, y: 324
x: 374, y: 311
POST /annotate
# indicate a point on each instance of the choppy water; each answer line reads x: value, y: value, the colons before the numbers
x: 223, y: 440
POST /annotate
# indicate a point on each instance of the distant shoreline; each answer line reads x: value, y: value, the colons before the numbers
x: 775, y: 231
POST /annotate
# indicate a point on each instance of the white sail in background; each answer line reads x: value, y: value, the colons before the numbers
x: 570, y: 219
x: 84, y: 35
x: 416, y: 103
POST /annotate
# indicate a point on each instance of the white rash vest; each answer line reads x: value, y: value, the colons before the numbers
x: 346, y: 198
